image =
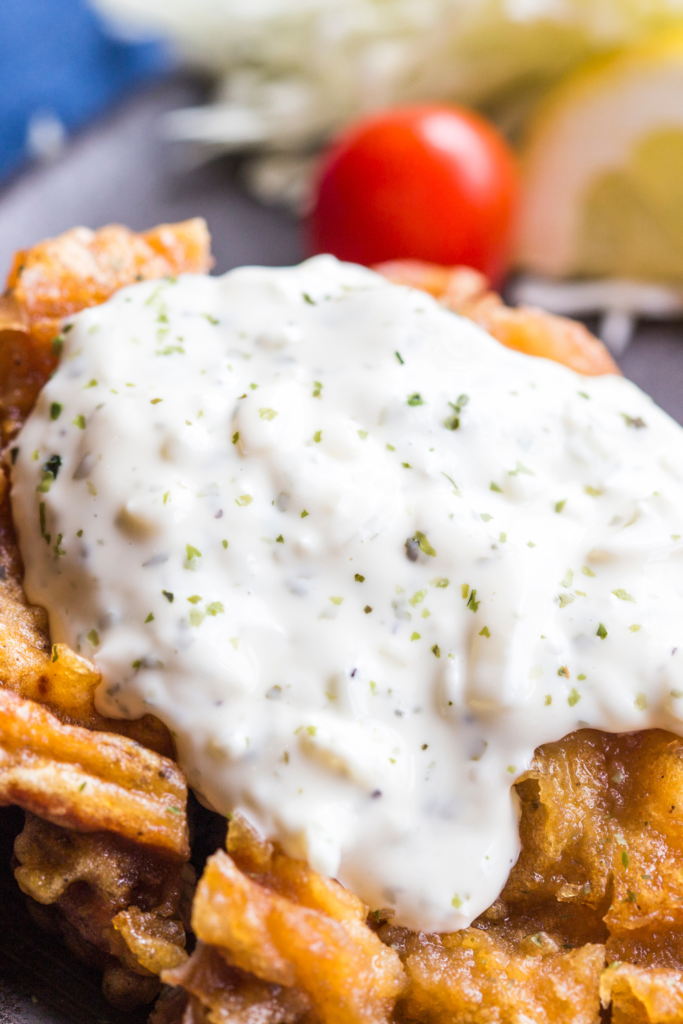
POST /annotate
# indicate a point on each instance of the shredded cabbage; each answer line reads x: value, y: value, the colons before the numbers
x: 292, y: 71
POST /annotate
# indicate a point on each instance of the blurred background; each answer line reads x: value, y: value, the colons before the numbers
x: 300, y: 125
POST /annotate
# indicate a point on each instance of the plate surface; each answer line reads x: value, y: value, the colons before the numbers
x: 120, y: 171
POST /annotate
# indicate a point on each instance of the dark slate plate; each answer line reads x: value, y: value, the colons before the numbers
x: 120, y: 171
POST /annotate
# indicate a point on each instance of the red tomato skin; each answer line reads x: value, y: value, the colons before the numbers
x: 430, y: 182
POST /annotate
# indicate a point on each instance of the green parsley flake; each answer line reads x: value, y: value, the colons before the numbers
x: 244, y: 499
x: 150, y: 618
x: 168, y: 595
x: 494, y: 487
x: 635, y: 627
x: 436, y: 651
x: 317, y: 437
x: 280, y: 539
x: 592, y: 491
x: 441, y: 582
x: 415, y: 636
x: 548, y: 700
x: 573, y: 698
x: 415, y: 399
x: 336, y: 600
x: 503, y: 538
x: 192, y: 552
x: 398, y: 356
x: 520, y: 468
x: 623, y: 596
x: 484, y: 632
x: 362, y: 434
x: 559, y: 505
x: 417, y: 597
x: 424, y: 544
x: 304, y: 514
x: 236, y: 437
x: 224, y: 543
x: 485, y: 516
x: 472, y: 603
x: 625, y: 859
x: 581, y: 677
x: 215, y: 608
x: 512, y: 768
x: 167, y: 495
x: 367, y: 609
x: 55, y: 410
x: 79, y: 421
x: 267, y: 414
x: 456, y: 489
x: 90, y: 384
x: 390, y: 448
x: 640, y: 703
x: 317, y: 388
x: 601, y: 631
x: 358, y: 578
x: 586, y: 571
x: 55, y: 653
x: 92, y: 637
x: 197, y: 617
x: 155, y: 401
x: 195, y: 599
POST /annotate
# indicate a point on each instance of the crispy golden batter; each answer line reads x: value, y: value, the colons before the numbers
x: 217, y: 994
x: 525, y: 329
x: 118, y: 905
x: 639, y: 996
x: 89, y: 781
x: 473, y: 976
x: 63, y: 275
x: 277, y: 919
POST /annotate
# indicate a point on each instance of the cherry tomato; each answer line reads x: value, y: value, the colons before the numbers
x: 430, y: 182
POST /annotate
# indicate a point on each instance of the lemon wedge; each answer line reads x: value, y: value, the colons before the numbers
x: 603, y: 169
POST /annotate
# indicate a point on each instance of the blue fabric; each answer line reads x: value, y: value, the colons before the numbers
x: 56, y: 59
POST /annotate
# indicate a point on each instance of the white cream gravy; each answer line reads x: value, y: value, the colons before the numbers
x: 360, y: 558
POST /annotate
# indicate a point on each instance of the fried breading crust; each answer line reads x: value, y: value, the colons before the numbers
x: 525, y: 328
x: 63, y: 275
x: 119, y: 906
x: 279, y: 920
x: 90, y: 781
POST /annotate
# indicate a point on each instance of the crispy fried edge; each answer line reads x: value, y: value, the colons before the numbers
x: 525, y: 329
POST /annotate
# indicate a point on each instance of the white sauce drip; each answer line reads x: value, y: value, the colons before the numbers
x: 242, y: 464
